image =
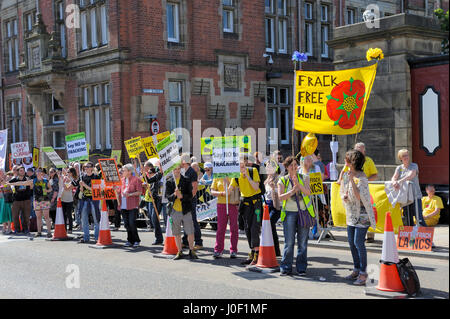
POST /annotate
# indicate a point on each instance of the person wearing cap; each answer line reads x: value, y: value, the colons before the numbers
x: 207, y: 178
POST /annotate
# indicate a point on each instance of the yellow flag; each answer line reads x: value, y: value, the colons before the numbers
x: 380, y: 203
x: 332, y: 102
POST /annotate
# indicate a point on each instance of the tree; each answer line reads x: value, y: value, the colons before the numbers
x: 443, y: 20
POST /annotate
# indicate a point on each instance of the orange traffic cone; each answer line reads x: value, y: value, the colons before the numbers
x: 266, y: 257
x: 60, y: 227
x: 104, y: 237
x: 389, y: 277
x: 170, y: 246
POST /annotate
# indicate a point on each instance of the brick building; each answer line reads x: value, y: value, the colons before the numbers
x: 108, y: 67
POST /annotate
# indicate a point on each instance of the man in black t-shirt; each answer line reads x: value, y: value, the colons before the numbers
x: 87, y: 204
x: 22, y: 202
x: 190, y: 174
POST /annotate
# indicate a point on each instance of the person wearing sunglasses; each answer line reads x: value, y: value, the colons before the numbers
x: 88, y: 205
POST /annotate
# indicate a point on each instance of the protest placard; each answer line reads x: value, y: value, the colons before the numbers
x: 149, y: 147
x: 3, y: 147
x: 116, y: 154
x: 207, y: 210
x: 54, y: 157
x: 315, y: 183
x: 415, y: 238
x: 35, y: 157
x: 134, y: 147
x: 168, y: 154
x: 100, y: 191
x: 225, y: 157
x: 76, y: 147
x: 20, y: 150
x: 110, y: 172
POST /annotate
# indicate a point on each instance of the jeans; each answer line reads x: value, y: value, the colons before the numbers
x: 78, y: 212
x: 155, y: 221
x: 164, y: 213
x: 222, y: 221
x: 356, y: 239
x: 291, y: 229
x: 274, y: 216
x: 197, y: 232
x: 86, y: 209
x: 129, y: 221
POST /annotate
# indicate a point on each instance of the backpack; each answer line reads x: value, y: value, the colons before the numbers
x: 408, y: 277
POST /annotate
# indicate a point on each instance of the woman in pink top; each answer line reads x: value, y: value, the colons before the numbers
x: 129, y: 196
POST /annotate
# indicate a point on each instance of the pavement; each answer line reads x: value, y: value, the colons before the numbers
x: 440, y: 240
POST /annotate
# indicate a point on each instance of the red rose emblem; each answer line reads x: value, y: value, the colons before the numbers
x: 345, y: 103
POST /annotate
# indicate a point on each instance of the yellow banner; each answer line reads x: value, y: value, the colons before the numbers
x: 134, y: 147
x: 149, y: 147
x: 332, y: 102
x: 381, y: 207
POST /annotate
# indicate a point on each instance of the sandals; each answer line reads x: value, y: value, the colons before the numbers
x: 361, y: 281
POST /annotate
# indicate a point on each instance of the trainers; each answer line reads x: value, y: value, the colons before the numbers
x: 179, y: 255
x: 352, y: 276
x: 361, y: 281
x: 255, y: 259
x: 192, y: 254
x: 82, y: 241
x: 301, y: 273
x: 217, y: 255
x: 136, y: 244
x: 249, y: 259
x: 128, y: 244
x: 233, y: 254
x: 198, y: 247
x: 49, y: 235
x: 285, y: 273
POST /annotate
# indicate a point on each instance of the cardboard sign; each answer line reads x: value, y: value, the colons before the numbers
x: 315, y: 183
x: 100, y: 191
x: 134, y: 147
x: 35, y: 157
x: 168, y: 154
x: 77, y: 147
x: 149, y: 147
x: 116, y: 154
x: 225, y: 157
x: 412, y: 238
x: 207, y: 210
x: 110, y: 172
x: 54, y: 157
x: 20, y: 150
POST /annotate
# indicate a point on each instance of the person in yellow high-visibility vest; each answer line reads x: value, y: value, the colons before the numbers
x: 297, y: 215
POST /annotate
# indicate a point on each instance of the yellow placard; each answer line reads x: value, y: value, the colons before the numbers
x: 149, y: 147
x: 315, y: 183
x: 162, y: 136
x: 134, y: 147
x: 332, y: 102
x: 116, y: 154
x: 35, y: 157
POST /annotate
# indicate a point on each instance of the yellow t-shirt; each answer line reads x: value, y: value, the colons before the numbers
x: 429, y: 205
x: 369, y: 167
x: 177, y: 205
x: 219, y: 186
x: 245, y: 186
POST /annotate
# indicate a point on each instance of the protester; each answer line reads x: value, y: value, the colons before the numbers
x: 54, y: 183
x: 129, y: 196
x: 6, y: 199
x: 279, y: 157
x: 22, y: 202
x: 273, y: 202
x: 188, y: 172
x: 179, y: 193
x: 218, y: 189
x: 77, y: 196
x: 67, y: 199
x: 297, y: 215
x: 87, y: 204
x: 152, y: 184
x: 409, y: 172
x: 431, y: 206
x: 250, y: 207
x: 207, y: 178
x: 359, y: 211
x: 41, y: 191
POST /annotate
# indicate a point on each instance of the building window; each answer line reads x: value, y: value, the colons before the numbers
x: 350, y: 16
x: 58, y: 140
x: 15, y: 120
x: 228, y: 15
x: 276, y: 26
x: 60, y: 22
x: 324, y: 13
x: 309, y: 27
x: 278, y: 116
x: 176, y: 106
x: 96, y: 114
x: 29, y: 19
x: 11, y: 46
x: 324, y: 37
x: 94, y: 24
x: 308, y: 11
x: 173, y: 22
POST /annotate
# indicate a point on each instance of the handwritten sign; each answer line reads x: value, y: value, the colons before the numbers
x: 207, y: 210
x: 101, y: 191
x: 225, y: 157
x: 168, y: 154
x: 149, y: 147
x: 110, y: 172
x: 20, y: 150
x: 54, y: 157
x: 315, y: 183
x: 134, y: 147
x: 77, y: 147
x: 412, y: 238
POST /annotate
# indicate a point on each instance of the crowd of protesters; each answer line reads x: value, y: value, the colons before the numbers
x: 283, y: 185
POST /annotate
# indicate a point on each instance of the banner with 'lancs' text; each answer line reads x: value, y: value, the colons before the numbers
x: 332, y: 102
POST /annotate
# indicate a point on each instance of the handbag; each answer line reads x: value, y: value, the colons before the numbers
x: 234, y: 196
x: 408, y: 277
